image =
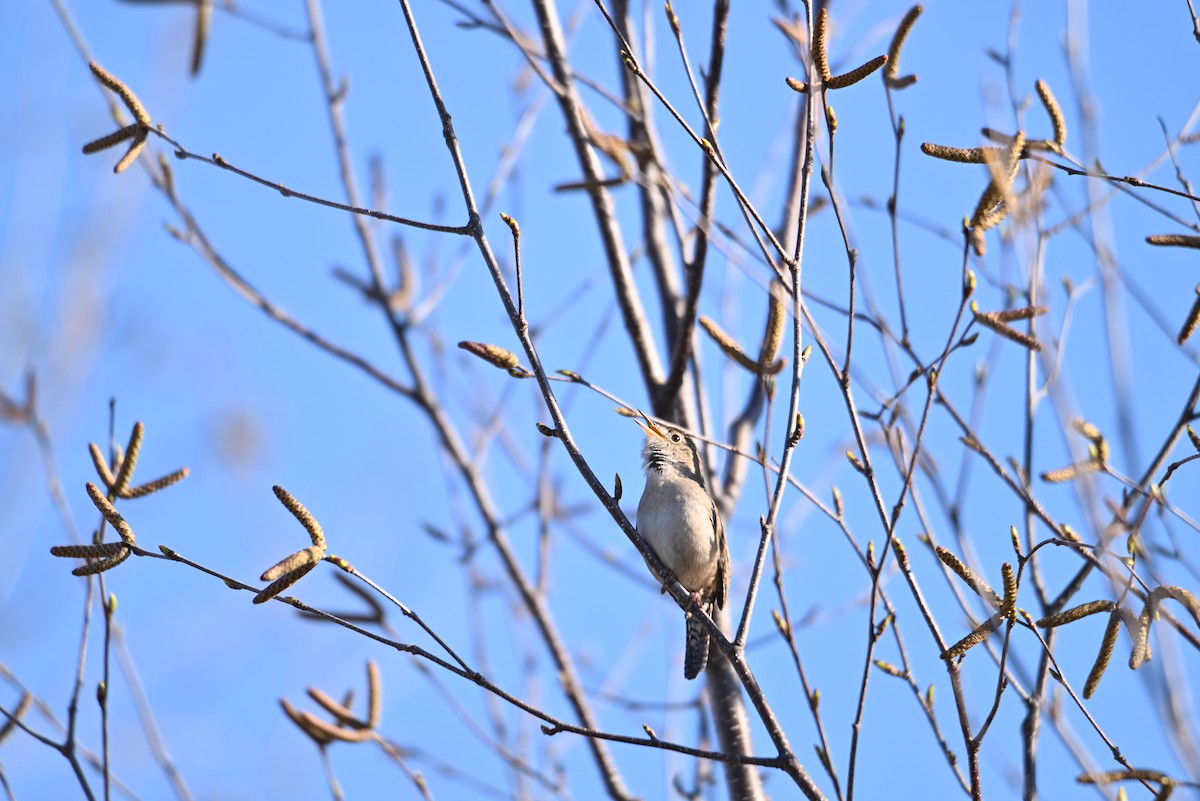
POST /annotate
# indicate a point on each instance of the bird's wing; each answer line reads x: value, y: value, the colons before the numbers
x: 723, y: 568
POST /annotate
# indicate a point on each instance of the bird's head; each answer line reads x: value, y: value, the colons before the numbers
x: 668, y: 448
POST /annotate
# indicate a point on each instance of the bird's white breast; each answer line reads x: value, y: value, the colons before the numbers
x: 675, y: 519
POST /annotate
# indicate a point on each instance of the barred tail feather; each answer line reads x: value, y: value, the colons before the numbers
x: 695, y: 654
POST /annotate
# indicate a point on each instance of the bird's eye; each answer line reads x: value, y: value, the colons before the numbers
x: 675, y: 438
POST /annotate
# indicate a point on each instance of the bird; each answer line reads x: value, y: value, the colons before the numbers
x: 679, y: 520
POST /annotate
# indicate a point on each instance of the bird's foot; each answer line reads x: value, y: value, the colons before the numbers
x: 697, y: 602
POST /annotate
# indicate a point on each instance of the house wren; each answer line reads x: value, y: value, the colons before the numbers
x: 679, y: 520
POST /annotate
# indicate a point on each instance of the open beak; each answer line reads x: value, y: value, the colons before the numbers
x: 649, y: 427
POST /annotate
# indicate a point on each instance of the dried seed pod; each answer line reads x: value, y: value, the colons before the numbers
x: 322, y: 731
x: 124, y: 92
x: 986, y: 220
x: 1044, y: 145
x: 1088, y: 430
x: 963, y: 155
x: 110, y: 140
x: 1184, y: 597
x: 1192, y: 321
x: 492, y: 354
x: 135, y: 150
x: 990, y: 321
x: 1070, y: 471
x: 1008, y: 607
x: 857, y: 74
x: 1026, y: 313
x: 151, y: 487
x: 978, y: 635
x: 727, y: 343
x: 200, y: 33
x: 406, y: 277
x: 1060, y: 475
x: 340, y: 711
x: 110, y: 514
x: 978, y: 240
x: 337, y: 732
x: 1076, y: 613
x: 103, y: 550
x: 1136, y: 774
x: 283, y: 582
x: 1002, y: 163
x: 295, y: 561
x: 303, y: 515
x: 129, y: 460
x: 1174, y: 240
x: 773, y: 336
x: 819, y: 51
x: 10, y: 723
x: 898, y: 39
x: 797, y: 85
x: 1130, y: 619
x: 1107, y: 644
x: 301, y: 719
x: 102, y: 468
x: 962, y: 571
x: 104, y: 564
x: 1141, y: 632
x: 374, y: 695
x: 990, y: 211
x: 1054, y: 112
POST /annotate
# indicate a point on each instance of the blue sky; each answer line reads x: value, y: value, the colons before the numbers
x: 103, y: 303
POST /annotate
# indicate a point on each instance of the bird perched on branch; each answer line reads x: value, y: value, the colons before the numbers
x: 679, y: 520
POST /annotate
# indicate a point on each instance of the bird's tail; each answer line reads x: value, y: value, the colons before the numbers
x: 695, y: 654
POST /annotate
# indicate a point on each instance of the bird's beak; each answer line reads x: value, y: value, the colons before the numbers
x: 649, y: 427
